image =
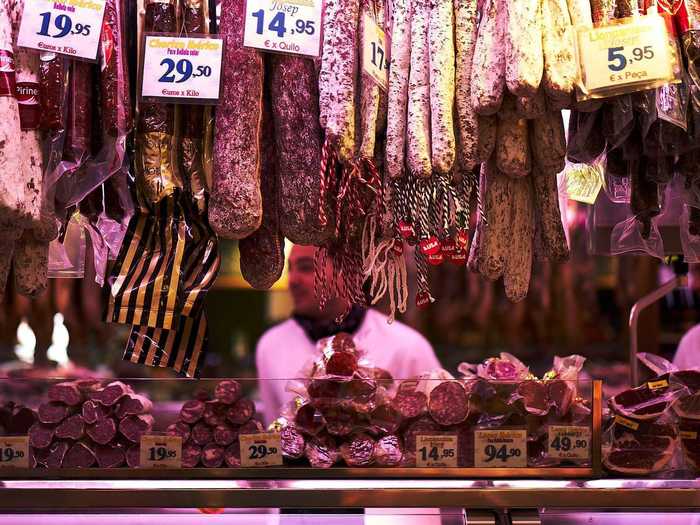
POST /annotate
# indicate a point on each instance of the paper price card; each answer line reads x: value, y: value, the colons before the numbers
x: 182, y: 69
x: 261, y: 450
x: 569, y: 442
x: 69, y: 27
x: 500, y: 448
x: 375, y: 52
x: 284, y: 27
x: 14, y: 452
x: 583, y: 183
x: 161, y: 451
x: 436, y: 451
x: 623, y: 55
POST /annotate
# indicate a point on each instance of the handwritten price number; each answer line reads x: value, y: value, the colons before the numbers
x: 566, y: 444
x: 378, y: 51
x: 277, y: 24
x: 185, y: 68
x: 434, y: 453
x: 618, y: 61
x: 64, y: 24
x: 261, y: 451
x: 161, y: 453
x: 503, y: 453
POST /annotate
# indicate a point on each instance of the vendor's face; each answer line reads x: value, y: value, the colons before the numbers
x: 301, y: 280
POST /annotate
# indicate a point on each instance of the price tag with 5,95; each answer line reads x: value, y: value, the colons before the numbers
x: 14, y: 452
x: 182, y: 69
x: 500, y: 448
x: 292, y: 26
x: 436, y: 451
x: 624, y: 55
x: 569, y: 442
x: 69, y: 27
x: 261, y: 450
x: 375, y: 52
x: 161, y: 451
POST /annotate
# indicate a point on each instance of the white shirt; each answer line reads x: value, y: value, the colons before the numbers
x: 688, y: 352
x: 285, y: 349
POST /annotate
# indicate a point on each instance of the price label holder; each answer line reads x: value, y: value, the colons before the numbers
x: 569, y: 442
x: 68, y: 27
x: 375, y: 52
x: 436, y: 451
x: 583, y: 183
x: 628, y: 55
x: 500, y: 448
x: 14, y: 452
x: 161, y: 451
x: 261, y: 450
x: 284, y: 27
x: 182, y: 70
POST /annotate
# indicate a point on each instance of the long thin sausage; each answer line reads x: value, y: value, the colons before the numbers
x: 418, y: 125
x: 524, y: 60
x: 558, y: 41
x: 467, y: 120
x: 518, y: 263
x: 489, y: 66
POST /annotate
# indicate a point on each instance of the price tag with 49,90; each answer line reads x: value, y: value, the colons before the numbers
x: 69, y: 27
x: 569, y: 442
x: 284, y: 27
x: 261, y: 450
x: 500, y: 448
x: 14, y: 452
x: 625, y: 56
x: 161, y: 451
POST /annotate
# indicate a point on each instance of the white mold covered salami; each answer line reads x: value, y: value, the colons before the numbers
x: 512, y: 148
x: 524, y: 60
x: 467, y: 120
x: 369, y: 93
x: 31, y: 263
x: 489, y: 65
x: 518, y: 257
x: 559, y: 61
x: 418, y: 124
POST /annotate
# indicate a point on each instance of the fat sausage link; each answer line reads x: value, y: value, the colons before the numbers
x: 489, y: 66
x: 518, y: 259
x: 524, y: 59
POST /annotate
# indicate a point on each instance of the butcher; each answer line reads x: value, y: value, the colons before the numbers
x: 288, y: 347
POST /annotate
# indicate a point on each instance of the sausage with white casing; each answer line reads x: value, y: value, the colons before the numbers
x: 489, y: 65
x: 559, y: 61
x: 442, y: 84
x: 418, y: 121
x: 467, y: 120
x: 523, y: 41
x: 518, y: 261
x: 512, y: 145
x: 398, y: 89
x: 369, y: 96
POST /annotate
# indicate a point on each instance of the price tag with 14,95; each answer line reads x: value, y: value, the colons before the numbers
x: 182, y: 69
x: 161, y: 451
x: 436, y: 451
x: 284, y: 27
x: 569, y: 442
x: 500, y: 448
x: 69, y: 27
x: 261, y: 450
x: 624, y: 57
x: 14, y: 452
x: 375, y: 52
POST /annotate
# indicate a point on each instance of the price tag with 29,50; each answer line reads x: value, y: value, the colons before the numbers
x: 68, y: 27
x: 623, y: 57
x: 261, y: 450
x: 284, y: 27
x: 182, y: 69
x: 500, y: 448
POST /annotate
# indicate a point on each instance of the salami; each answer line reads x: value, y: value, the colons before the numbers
x: 488, y: 131
x: 388, y: 451
x: 236, y: 202
x: 441, y: 29
x: 558, y: 41
x: 109, y: 395
x: 523, y: 53
x: 80, y: 455
x: 580, y: 13
x: 512, y: 148
x: 228, y: 391
x: 241, y: 411
x: 56, y: 454
x: 358, y: 451
x: 448, y: 403
x: 496, y: 235
x: 398, y: 89
x: 420, y: 426
x: 192, y: 411
x: 386, y: 418
x: 409, y: 402
x: 215, y: 413
x: 418, y: 120
x: 548, y: 219
x: 322, y: 452
x: 67, y: 393
x: 133, y: 456
x: 110, y: 456
x: 40, y: 435
x: 31, y: 264
x: 202, y: 434
x: 191, y: 454
x: 369, y: 92
x: 549, y: 142
x: 114, y: 75
x: 232, y: 455
x: 252, y: 426
x: 53, y: 413
x: 292, y: 442
x: 489, y: 66
x: 102, y: 431
x: 531, y: 107
x: 465, y: 12
x: 180, y: 429
x: 92, y: 411
x: 518, y: 263
x: 72, y: 427
x: 225, y: 435
x: 53, y: 73
x: 133, y: 427
x: 212, y: 455
x: 133, y: 405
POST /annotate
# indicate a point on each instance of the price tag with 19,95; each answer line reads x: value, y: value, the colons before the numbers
x: 161, y: 451
x: 375, y: 52
x: 261, y: 450
x: 182, y: 69
x: 292, y: 26
x: 14, y: 452
x: 500, y: 448
x: 569, y: 442
x: 68, y: 27
x: 436, y: 450
x: 625, y: 55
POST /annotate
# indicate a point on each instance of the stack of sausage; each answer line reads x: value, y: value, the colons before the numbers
x: 86, y: 424
x: 210, y: 428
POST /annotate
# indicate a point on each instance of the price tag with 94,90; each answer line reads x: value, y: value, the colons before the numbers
x: 14, y: 452
x: 69, y: 27
x: 284, y: 26
x: 436, y: 450
x: 567, y: 442
x: 261, y: 450
x: 375, y: 52
x: 182, y: 69
x: 628, y: 55
x: 161, y: 451
x: 500, y: 448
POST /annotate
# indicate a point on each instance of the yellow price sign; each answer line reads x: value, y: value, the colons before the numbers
x: 436, y: 451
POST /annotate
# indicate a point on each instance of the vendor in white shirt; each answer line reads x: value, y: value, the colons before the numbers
x: 285, y: 349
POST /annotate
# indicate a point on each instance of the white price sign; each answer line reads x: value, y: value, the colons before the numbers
x: 617, y: 55
x: 436, y: 451
x: 284, y: 27
x: 566, y: 442
x: 583, y: 183
x: 375, y: 52
x: 14, y: 452
x: 500, y: 448
x: 68, y: 27
x: 261, y: 450
x: 161, y: 451
x: 182, y: 69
